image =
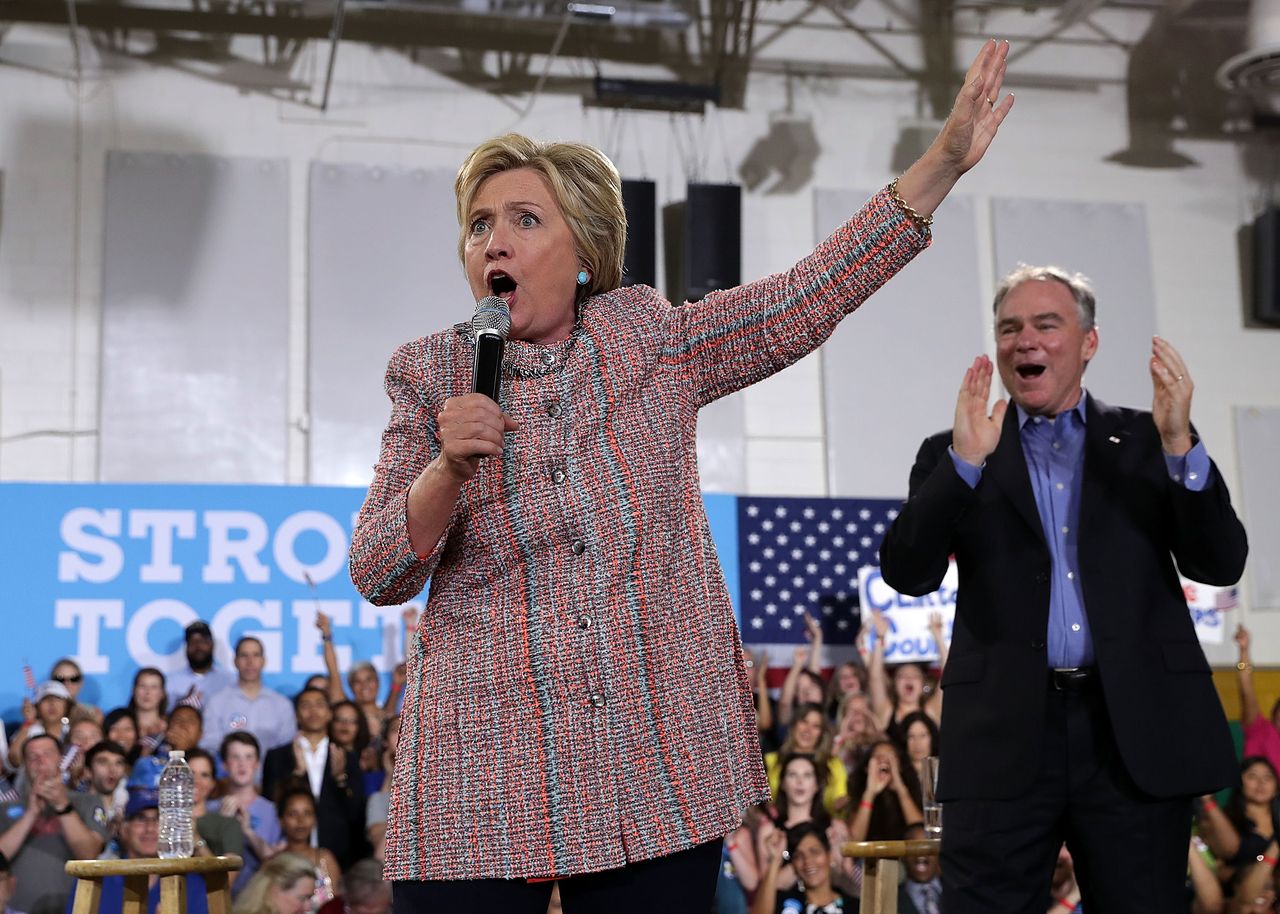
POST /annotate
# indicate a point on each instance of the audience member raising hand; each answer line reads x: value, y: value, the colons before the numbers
x: 1261, y: 735
x: 888, y: 789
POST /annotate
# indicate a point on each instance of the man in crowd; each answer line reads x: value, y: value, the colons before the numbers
x: 241, y: 757
x: 41, y: 831
x: 139, y: 840
x: 248, y: 705
x: 200, y: 679
x: 106, y: 766
x: 332, y: 776
x: 921, y: 892
x: 1077, y: 695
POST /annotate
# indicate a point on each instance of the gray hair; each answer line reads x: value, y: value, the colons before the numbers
x: 1077, y: 284
x: 364, y: 883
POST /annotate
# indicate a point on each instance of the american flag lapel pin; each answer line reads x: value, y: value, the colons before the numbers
x: 1113, y: 439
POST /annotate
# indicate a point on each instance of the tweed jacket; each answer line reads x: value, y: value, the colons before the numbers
x: 576, y: 695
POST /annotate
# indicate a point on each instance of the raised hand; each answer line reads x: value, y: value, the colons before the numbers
x: 325, y: 624
x: 1242, y: 639
x: 471, y: 428
x: 978, y: 110
x: 801, y: 656
x: 1171, y: 397
x: 977, y: 432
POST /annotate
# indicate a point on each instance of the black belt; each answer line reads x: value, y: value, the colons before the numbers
x: 1073, y: 679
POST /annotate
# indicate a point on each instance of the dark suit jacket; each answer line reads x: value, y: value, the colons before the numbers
x: 339, y: 809
x: 1134, y: 522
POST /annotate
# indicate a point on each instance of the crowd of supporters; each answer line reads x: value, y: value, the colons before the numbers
x: 845, y: 755
x: 295, y: 785
x: 298, y: 786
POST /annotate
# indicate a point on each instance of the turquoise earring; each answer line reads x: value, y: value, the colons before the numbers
x: 583, y: 277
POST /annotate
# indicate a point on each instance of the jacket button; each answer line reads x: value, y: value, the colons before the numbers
x: 557, y: 476
x: 578, y: 547
x: 584, y: 622
x: 1037, y: 645
x: 1042, y: 577
x: 554, y: 410
x: 597, y: 700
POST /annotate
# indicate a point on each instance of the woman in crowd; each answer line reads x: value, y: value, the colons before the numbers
x: 857, y: 732
x: 920, y: 739
x: 1259, y: 885
x: 349, y: 729
x: 121, y: 727
x: 1261, y: 734
x: 574, y: 581
x: 297, y: 809
x: 804, y: 684
x: 362, y: 678
x: 216, y: 832
x: 47, y: 714
x: 811, y: 735
x: 889, y: 795
x: 242, y: 757
x: 1240, y: 831
x: 849, y: 678
x: 285, y: 885
x: 148, y: 702
x: 799, y: 796
x: 68, y: 672
x: 907, y: 688
x: 810, y: 854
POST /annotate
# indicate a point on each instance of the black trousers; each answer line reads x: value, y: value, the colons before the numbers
x: 1130, y: 849
x: 680, y: 883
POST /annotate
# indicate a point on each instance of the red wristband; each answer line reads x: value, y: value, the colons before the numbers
x: 1067, y: 903
x: 865, y: 804
x: 1208, y: 804
x: 1269, y: 861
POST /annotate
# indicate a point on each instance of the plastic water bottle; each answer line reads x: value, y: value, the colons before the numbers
x: 177, y: 798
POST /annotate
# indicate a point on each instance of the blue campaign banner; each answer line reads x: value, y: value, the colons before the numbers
x: 110, y: 575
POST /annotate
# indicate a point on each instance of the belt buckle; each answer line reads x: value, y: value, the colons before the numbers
x: 1070, y: 677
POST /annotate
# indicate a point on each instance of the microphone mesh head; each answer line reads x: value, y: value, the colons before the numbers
x: 492, y: 313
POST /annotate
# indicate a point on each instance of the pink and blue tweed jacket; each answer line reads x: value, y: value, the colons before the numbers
x: 576, y: 695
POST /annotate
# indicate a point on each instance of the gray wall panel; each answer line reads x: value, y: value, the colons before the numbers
x: 891, y: 371
x: 1258, y: 443
x: 194, y: 319
x: 383, y: 267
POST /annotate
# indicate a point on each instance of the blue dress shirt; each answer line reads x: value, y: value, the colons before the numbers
x: 1054, y: 451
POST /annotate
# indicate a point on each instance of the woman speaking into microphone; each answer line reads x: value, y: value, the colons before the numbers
x: 577, y: 706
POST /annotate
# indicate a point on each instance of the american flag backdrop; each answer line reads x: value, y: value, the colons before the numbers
x: 802, y: 555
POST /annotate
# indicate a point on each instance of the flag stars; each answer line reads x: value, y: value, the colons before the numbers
x: 766, y: 525
x: 799, y: 609
x: 757, y: 595
x: 811, y: 568
x: 784, y: 622
x: 768, y: 552
x: 755, y: 567
x: 826, y: 583
x: 838, y: 568
x: 808, y: 513
x: 770, y: 580
x: 797, y: 581
x: 753, y: 538
x: 757, y: 622
x: 865, y: 514
x: 780, y: 511
x: 797, y: 554
x: 836, y: 514
x: 784, y: 594
x: 784, y: 567
x: 752, y: 510
x: 842, y: 624
x: 782, y: 539
x: 811, y: 540
x: 823, y: 527
x: 771, y: 609
x: 866, y: 542
x: 796, y: 526
x: 837, y: 541
x: 825, y: 555
x: 850, y: 528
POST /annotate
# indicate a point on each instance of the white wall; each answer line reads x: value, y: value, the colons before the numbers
x: 54, y: 137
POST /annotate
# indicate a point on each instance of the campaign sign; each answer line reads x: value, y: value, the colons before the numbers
x: 1208, y: 605
x: 110, y: 575
x: 909, y: 637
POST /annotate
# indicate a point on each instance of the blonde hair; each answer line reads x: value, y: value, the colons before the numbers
x: 282, y: 872
x: 586, y: 186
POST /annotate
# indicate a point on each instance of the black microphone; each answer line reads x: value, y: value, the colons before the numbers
x: 492, y: 323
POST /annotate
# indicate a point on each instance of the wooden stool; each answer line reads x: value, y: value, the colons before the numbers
x: 173, y: 882
x: 881, y: 869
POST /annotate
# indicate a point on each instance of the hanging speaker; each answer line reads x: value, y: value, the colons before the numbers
x: 704, y: 241
x: 1266, y: 267
x: 640, y: 262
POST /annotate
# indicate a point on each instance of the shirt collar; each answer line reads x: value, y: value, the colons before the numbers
x: 1079, y: 409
